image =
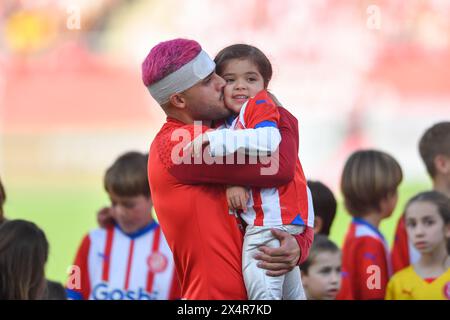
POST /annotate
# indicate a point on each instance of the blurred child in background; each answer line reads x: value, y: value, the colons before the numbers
x: 23, y: 254
x: 321, y: 272
x: 434, y: 148
x: 369, y: 185
x: 427, y: 218
x: 325, y: 206
x: 130, y: 259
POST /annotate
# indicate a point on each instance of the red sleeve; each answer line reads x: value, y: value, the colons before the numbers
x: 78, y: 285
x: 400, y: 249
x: 261, y: 110
x: 369, y: 275
x: 305, y: 241
x: 249, y: 173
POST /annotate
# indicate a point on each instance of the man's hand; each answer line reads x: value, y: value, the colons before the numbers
x: 279, y: 261
x: 105, y: 217
x: 237, y: 198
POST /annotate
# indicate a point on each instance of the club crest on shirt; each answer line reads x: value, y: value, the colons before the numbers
x: 157, y: 262
x: 447, y: 290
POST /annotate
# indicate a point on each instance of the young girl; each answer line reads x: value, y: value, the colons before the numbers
x: 434, y: 149
x: 321, y: 272
x: 247, y: 72
x: 23, y: 254
x: 427, y: 218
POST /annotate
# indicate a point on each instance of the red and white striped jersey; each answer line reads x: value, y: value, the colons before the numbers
x: 288, y: 204
x: 114, y: 265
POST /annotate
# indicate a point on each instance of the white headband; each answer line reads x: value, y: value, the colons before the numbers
x: 182, y: 79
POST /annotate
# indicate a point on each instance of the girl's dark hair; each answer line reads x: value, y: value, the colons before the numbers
x: 442, y: 203
x: 245, y: 51
x: 23, y: 254
x: 324, y: 204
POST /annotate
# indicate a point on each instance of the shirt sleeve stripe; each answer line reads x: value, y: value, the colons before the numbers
x: 266, y: 124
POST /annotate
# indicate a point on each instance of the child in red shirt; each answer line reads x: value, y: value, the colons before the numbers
x: 369, y: 185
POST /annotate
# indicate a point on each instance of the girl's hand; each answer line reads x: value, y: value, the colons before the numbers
x: 237, y: 198
x: 195, y: 147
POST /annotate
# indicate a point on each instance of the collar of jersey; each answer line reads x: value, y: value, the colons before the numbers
x: 230, y: 119
x: 368, y: 225
x: 176, y: 121
x: 152, y: 225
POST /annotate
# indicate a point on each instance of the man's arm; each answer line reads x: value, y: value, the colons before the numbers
x: 282, y: 163
x: 304, y: 241
x: 293, y: 251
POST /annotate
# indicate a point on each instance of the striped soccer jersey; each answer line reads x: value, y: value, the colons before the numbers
x: 288, y: 204
x: 113, y: 265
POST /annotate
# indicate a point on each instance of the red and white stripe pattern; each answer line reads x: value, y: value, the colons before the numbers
x: 289, y: 204
x: 276, y: 206
x: 121, y: 266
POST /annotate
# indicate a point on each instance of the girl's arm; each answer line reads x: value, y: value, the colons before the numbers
x: 258, y: 119
x: 252, y: 172
x: 263, y: 140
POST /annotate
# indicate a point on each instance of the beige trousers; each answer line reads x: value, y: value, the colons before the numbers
x: 259, y: 285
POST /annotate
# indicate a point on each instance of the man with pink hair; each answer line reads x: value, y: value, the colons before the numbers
x: 189, y: 196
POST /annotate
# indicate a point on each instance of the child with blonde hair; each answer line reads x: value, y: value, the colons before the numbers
x: 369, y: 184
